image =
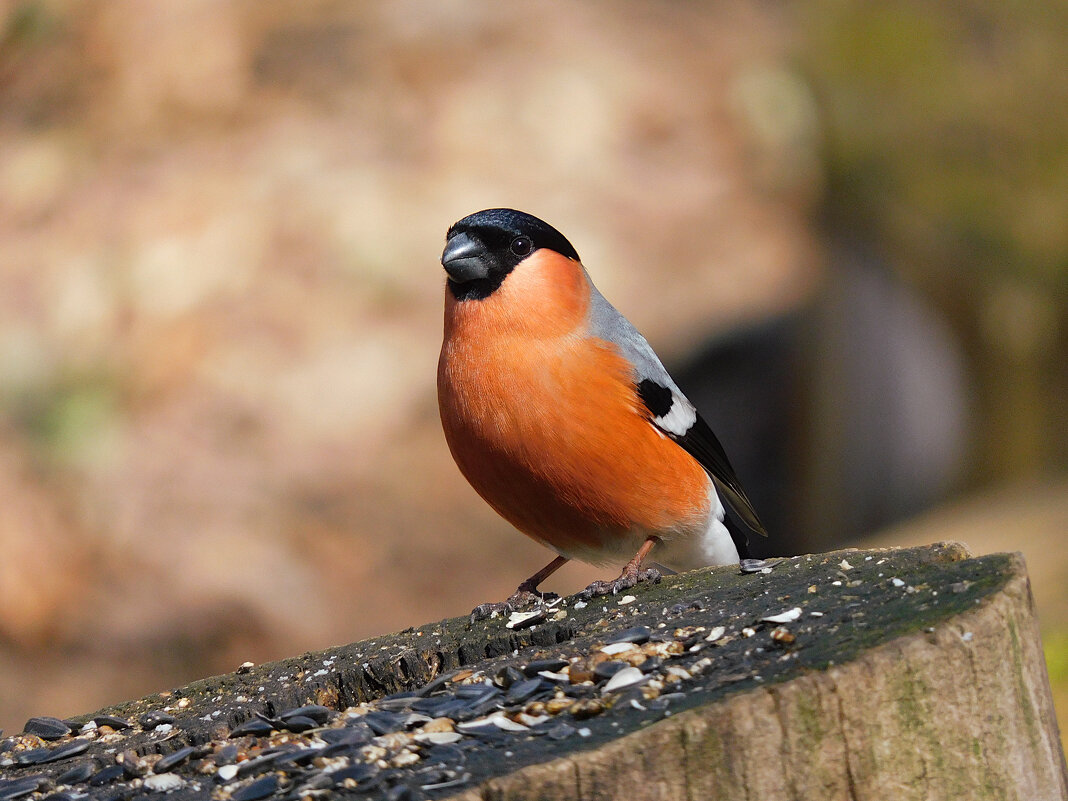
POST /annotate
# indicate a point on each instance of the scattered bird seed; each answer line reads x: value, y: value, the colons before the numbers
x: 348, y: 737
x: 226, y: 772
x: 478, y: 692
x: 76, y: 775
x: 155, y: 719
x: 47, y: 728
x: 626, y: 599
x: 524, y: 620
x: 783, y: 635
x: 441, y: 707
x: 459, y: 780
x: 106, y: 775
x: 606, y: 670
x: 507, y: 676
x: 587, y: 708
x: 435, y: 684
x: 397, y: 701
x: 561, y: 731
x: 32, y: 756
x: 319, y: 714
x: 226, y: 755
x: 361, y: 774
x: 663, y: 701
x: 789, y: 616
x: 753, y: 566
x: 17, y: 788
x: 498, y: 720
x: 524, y: 690
x: 651, y: 665
x: 299, y: 723
x: 260, y: 788
x: 438, y: 737
x: 559, y: 677
x: 171, y: 761
x: 636, y: 635
x: 163, y: 783
x: 64, y: 751
x: 254, y: 726
x: 114, y: 722
x: 299, y: 756
x: 132, y: 766
x: 538, y: 665
x: 715, y: 634
x: 624, y: 678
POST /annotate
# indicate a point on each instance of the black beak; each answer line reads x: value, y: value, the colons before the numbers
x: 465, y: 259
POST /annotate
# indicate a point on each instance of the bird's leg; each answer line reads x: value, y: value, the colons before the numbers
x: 630, y: 576
x: 525, y: 595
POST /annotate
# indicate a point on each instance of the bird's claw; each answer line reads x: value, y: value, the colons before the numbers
x: 624, y: 582
x: 520, y: 599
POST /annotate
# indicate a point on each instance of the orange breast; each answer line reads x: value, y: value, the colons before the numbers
x: 544, y: 422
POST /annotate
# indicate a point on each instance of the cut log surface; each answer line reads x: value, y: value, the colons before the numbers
x: 906, y: 674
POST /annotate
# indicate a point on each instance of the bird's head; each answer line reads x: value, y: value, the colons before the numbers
x: 484, y: 247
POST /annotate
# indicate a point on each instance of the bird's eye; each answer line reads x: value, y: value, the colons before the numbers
x: 521, y: 246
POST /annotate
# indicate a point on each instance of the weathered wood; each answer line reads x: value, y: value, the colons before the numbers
x: 915, y: 673
x: 961, y: 710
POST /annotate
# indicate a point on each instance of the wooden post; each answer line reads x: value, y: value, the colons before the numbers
x: 905, y: 674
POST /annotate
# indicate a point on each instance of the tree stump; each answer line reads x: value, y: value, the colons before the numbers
x: 906, y: 674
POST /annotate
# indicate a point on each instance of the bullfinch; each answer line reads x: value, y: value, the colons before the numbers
x: 561, y: 416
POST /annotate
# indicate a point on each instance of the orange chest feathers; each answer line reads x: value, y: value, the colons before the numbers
x: 545, y: 423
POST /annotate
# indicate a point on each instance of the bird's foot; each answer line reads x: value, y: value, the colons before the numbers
x: 627, y: 580
x: 520, y: 599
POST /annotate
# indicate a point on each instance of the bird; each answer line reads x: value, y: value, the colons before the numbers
x: 563, y: 419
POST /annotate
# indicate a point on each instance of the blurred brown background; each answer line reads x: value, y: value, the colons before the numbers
x: 842, y: 224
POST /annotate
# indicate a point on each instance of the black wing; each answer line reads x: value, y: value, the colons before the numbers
x: 703, y: 446
x: 675, y: 417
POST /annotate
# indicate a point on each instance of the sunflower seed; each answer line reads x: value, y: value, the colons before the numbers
x: 789, y: 616
x: 76, y: 775
x: 255, y: 727
x: 66, y: 750
x: 624, y: 678
x: 171, y: 761
x: 538, y: 665
x: 47, y: 728
x: 319, y: 714
x: 636, y: 634
x: 261, y: 788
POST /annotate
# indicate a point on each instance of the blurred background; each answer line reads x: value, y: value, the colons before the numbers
x: 842, y: 224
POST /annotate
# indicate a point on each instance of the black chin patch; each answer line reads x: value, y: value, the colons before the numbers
x: 479, y: 289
